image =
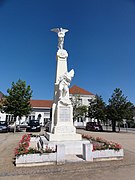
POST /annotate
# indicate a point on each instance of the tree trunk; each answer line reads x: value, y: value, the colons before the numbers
x: 98, y: 121
x: 14, y: 124
x: 114, y: 125
x: 119, y: 127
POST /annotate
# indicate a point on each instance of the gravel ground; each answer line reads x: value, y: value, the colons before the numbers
x: 110, y: 170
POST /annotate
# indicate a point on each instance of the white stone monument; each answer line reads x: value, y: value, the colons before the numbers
x: 62, y: 128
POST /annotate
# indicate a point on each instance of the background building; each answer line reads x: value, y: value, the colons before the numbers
x: 82, y: 97
x: 41, y: 109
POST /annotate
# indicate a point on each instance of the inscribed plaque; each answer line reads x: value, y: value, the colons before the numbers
x: 64, y: 114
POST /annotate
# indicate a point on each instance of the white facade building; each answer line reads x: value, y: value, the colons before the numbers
x: 40, y: 110
x: 84, y: 97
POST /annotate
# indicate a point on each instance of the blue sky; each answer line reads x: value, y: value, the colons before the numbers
x: 100, y: 43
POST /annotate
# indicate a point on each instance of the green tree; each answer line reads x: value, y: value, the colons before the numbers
x: 2, y: 102
x: 97, y: 109
x: 18, y: 101
x: 119, y: 108
x: 79, y: 110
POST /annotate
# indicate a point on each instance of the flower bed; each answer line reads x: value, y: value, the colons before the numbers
x: 100, y: 149
x: 24, y: 147
x: 102, y: 144
x: 27, y: 155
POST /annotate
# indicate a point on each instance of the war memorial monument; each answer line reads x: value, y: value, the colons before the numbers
x: 62, y: 137
x: 62, y: 130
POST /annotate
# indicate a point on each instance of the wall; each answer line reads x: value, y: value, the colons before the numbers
x: 44, y: 112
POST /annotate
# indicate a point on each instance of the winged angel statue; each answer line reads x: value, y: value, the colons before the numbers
x: 63, y: 87
x: 61, y: 34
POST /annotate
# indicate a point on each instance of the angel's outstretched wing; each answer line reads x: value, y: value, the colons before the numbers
x: 71, y: 73
x: 55, y: 30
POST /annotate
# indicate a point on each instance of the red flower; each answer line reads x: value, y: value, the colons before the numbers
x: 23, y: 145
x: 26, y: 137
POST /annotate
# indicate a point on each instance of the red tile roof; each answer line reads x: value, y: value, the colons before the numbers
x: 77, y: 90
x: 41, y: 103
x: 48, y: 103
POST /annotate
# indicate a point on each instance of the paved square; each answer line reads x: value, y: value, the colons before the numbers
x: 112, y: 170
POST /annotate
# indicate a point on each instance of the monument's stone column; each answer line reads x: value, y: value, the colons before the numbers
x: 62, y: 56
x: 62, y: 127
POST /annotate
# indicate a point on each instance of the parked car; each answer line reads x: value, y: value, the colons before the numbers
x: 11, y: 127
x: 3, y: 126
x: 93, y: 126
x: 33, y: 125
x: 23, y: 124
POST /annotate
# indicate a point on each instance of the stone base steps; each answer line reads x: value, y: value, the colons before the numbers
x: 73, y: 158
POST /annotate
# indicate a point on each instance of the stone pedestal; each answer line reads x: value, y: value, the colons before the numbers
x: 63, y: 137
x: 71, y: 146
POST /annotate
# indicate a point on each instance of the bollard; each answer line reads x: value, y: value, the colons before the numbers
x: 60, y: 154
x: 87, y: 152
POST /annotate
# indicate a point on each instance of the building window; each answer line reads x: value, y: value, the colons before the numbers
x: 46, y: 120
x: 31, y: 117
x: 80, y: 101
x: 39, y: 117
x: 79, y: 119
